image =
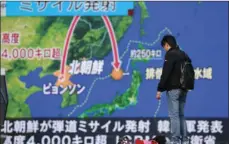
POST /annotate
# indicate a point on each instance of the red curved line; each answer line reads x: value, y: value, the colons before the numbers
x: 67, y: 42
x: 69, y: 36
x: 112, y: 38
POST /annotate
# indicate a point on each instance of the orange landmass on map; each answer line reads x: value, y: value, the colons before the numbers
x: 63, y: 80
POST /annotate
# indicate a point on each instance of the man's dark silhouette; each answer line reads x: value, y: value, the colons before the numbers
x: 170, y: 82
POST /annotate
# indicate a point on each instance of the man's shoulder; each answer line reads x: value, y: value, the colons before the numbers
x: 178, y: 51
x: 173, y: 52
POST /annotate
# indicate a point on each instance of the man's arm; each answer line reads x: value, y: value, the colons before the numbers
x: 167, y: 68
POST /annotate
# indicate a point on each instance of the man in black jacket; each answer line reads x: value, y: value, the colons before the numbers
x: 170, y: 82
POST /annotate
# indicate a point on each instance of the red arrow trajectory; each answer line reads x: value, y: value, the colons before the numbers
x: 116, y: 61
x: 67, y: 43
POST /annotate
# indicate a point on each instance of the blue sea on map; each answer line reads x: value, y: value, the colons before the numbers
x: 201, y: 30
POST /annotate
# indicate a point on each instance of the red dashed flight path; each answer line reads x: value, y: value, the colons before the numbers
x: 116, y: 61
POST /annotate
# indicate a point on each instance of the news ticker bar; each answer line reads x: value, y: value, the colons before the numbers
x: 110, y: 130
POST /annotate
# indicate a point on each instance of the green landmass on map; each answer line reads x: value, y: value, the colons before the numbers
x: 121, y: 101
x: 17, y: 91
x: 144, y: 15
x: 68, y: 100
x: 90, y: 39
x: 144, y: 11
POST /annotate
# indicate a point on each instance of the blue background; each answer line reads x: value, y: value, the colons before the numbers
x: 201, y: 30
x: 13, y: 9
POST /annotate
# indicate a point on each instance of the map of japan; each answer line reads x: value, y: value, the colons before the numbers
x: 105, y: 66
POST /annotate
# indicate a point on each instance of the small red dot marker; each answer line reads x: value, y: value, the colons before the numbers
x: 130, y: 12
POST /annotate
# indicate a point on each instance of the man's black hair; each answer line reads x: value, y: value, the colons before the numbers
x: 169, y: 39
